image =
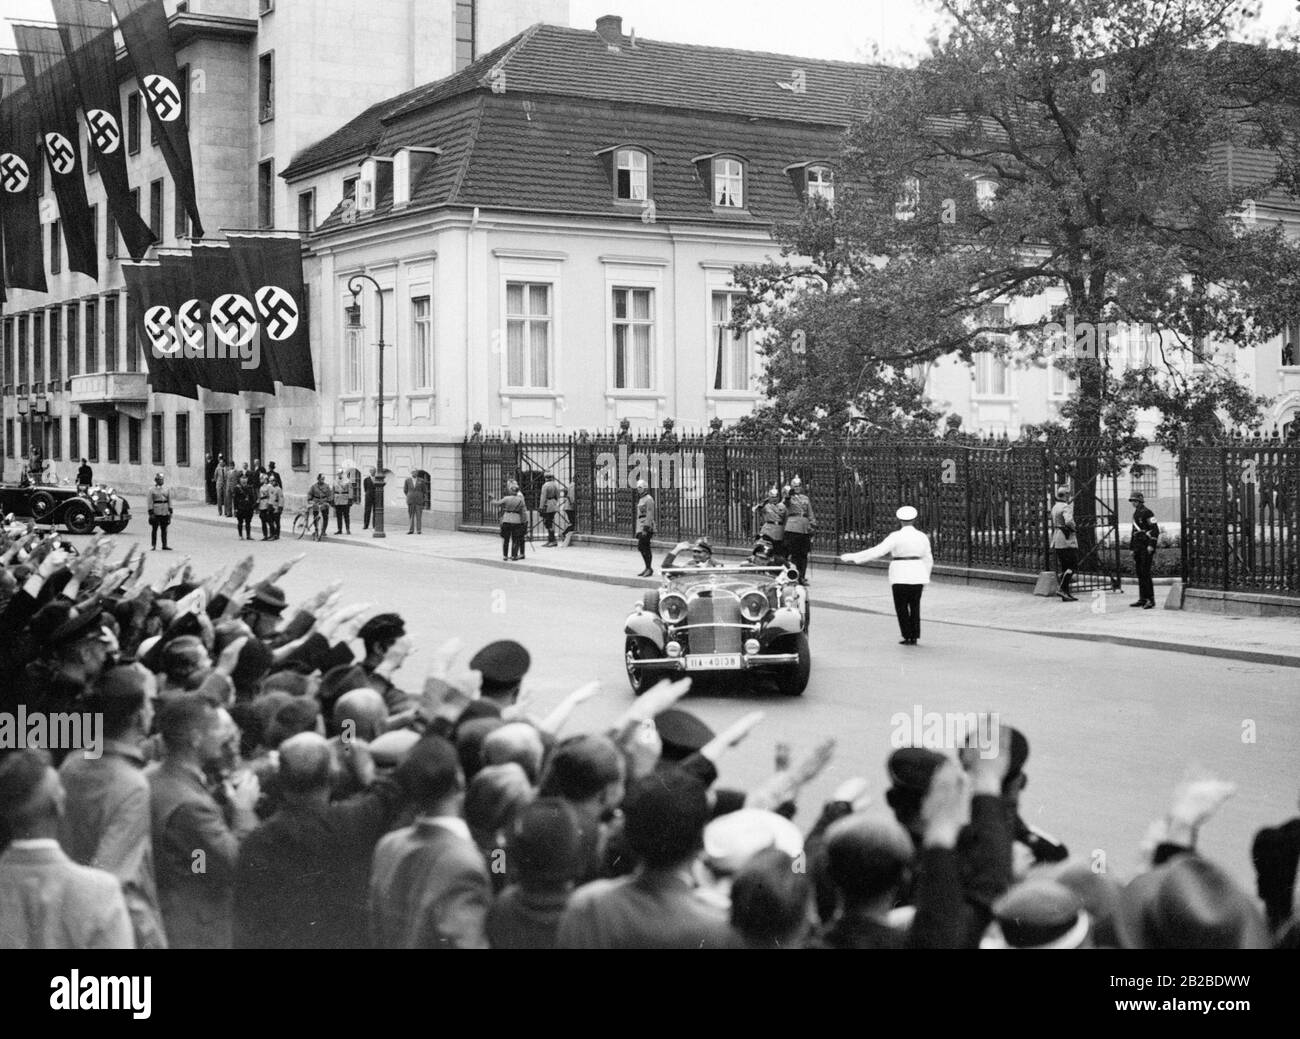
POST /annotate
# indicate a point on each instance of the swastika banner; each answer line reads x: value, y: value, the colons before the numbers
x: 145, y: 295
x: 20, y: 206
x: 270, y: 275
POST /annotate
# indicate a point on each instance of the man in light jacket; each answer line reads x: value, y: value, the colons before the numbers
x: 909, y: 571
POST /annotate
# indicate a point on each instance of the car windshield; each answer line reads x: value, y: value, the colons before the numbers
x: 736, y: 578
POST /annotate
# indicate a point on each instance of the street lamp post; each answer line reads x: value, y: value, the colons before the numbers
x: 354, y: 321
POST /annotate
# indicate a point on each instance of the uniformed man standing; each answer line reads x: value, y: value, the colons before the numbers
x: 1065, y: 542
x: 549, y: 503
x: 799, y: 526
x: 645, y: 525
x: 909, y: 571
x: 771, y: 518
x: 160, y: 512
x: 512, y: 512
x: 1144, y: 540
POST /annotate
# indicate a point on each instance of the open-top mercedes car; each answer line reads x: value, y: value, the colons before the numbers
x: 712, y: 620
x: 80, y: 512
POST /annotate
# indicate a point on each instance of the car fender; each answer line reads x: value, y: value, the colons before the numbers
x: 646, y: 626
x: 785, y: 621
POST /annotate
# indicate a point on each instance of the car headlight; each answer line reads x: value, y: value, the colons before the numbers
x: 673, y: 649
x: 752, y: 646
x: 753, y: 606
x: 672, y: 607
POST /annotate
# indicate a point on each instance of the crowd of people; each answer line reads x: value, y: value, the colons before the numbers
x: 274, y: 777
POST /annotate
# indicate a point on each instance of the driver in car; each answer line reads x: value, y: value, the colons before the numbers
x: 701, y: 555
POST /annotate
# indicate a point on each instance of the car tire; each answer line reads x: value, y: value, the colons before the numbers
x: 793, y: 678
x: 116, y: 527
x: 650, y: 601
x: 42, y: 505
x: 636, y: 648
x: 78, y: 518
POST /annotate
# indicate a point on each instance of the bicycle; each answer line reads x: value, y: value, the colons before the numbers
x: 310, y: 516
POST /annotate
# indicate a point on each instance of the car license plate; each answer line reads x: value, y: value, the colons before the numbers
x: 713, y: 662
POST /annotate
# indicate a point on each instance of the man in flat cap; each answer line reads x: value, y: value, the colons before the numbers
x: 1144, y: 539
x: 909, y: 571
x: 1065, y: 542
x: 549, y: 504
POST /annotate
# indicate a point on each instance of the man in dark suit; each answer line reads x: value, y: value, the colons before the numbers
x: 1143, y: 540
x: 429, y: 885
x: 1276, y: 854
x: 195, y: 850
x: 301, y: 880
x: 368, y: 497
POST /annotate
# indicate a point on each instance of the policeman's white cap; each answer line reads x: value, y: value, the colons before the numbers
x: 907, y: 514
x: 733, y: 839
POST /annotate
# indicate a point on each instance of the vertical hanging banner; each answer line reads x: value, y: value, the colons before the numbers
x: 153, y: 321
x: 235, y: 360
x: 24, y: 262
x: 144, y: 29
x: 49, y: 79
x: 86, y: 29
x: 270, y: 271
x: 174, y: 287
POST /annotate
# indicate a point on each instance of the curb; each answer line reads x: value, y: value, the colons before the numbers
x: 1194, y: 649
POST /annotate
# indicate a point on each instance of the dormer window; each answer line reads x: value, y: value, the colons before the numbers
x: 631, y: 175
x: 821, y: 184
x: 909, y: 199
x: 729, y: 183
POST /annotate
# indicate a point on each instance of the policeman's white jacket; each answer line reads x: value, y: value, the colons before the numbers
x: 912, y: 560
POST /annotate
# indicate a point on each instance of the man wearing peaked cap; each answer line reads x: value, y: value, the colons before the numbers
x: 1039, y: 914
x: 1143, y: 540
x: 503, y: 665
x: 909, y: 571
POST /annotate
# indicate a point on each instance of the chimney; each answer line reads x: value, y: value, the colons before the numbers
x: 610, y: 29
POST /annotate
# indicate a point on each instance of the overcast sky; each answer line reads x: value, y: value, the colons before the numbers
x: 842, y: 29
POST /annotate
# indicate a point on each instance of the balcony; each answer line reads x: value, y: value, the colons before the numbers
x: 102, y: 394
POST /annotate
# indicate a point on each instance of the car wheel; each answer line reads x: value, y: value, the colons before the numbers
x: 638, y: 648
x: 793, y: 678
x: 116, y: 527
x: 78, y: 518
x: 42, y: 504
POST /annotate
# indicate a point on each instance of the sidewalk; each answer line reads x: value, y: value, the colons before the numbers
x: 1097, y: 617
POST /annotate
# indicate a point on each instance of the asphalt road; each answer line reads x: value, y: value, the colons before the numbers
x: 1112, y: 729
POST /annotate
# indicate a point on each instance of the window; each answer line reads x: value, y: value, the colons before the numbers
x: 421, y: 343
x: 632, y: 175
x: 821, y: 184
x: 265, y: 6
x: 56, y: 348
x: 22, y: 349
x: 74, y: 438
x: 299, y: 456
x: 266, y: 86
x: 132, y: 338
x: 9, y: 437
x: 110, y: 334
x: 729, y: 183
x: 156, y: 209
x: 265, y: 195
x: 464, y: 33
x: 133, y: 123
x: 180, y: 219
x: 23, y: 430
x: 350, y: 187
x: 919, y: 373
x: 307, y: 210
x: 731, y: 349
x: 986, y: 192
x: 990, y: 367
x: 38, y: 348
x: 74, y: 341
x: 94, y: 228
x: 528, y: 335
x: 112, y: 429
x: 8, y: 377
x: 352, y: 366
x: 56, y: 247
x: 92, y: 438
x: 1058, y: 383
x: 56, y: 441
x: 92, y: 337
x: 1290, y: 349
x: 156, y: 448
x: 1145, y: 481
x: 909, y: 199
x: 133, y: 440
x: 633, y: 327
x: 110, y: 235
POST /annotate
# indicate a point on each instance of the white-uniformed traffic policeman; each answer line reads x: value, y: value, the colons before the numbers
x: 909, y: 571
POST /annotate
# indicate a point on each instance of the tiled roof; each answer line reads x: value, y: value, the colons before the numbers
x: 549, y: 60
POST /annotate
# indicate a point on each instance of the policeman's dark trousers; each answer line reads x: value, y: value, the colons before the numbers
x: 1142, y: 564
x: 549, y: 519
x: 415, y: 513
x: 275, y: 522
x: 268, y: 523
x: 798, y: 546
x: 1067, y: 561
x: 343, y: 518
x: 907, y: 604
x: 244, y: 523
x: 157, y: 523
x: 643, y: 546
x: 512, y: 540
x: 367, y: 512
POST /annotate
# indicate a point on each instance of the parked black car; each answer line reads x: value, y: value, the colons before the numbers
x: 81, y: 513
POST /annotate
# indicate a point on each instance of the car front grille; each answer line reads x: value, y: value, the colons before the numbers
x: 704, y: 614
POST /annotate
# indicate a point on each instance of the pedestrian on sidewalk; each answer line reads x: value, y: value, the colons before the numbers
x: 1065, y: 543
x: 160, y: 512
x: 232, y: 475
x: 265, y: 510
x: 511, y: 509
x: 645, y: 525
x: 563, y: 518
x: 799, y: 526
x: 245, y: 504
x: 368, y: 498
x: 549, y: 503
x: 219, y: 476
x: 414, y: 489
x: 1144, y: 540
x: 275, y: 495
x: 342, y: 503
x: 909, y: 571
